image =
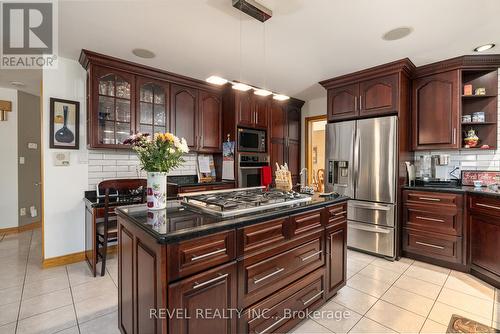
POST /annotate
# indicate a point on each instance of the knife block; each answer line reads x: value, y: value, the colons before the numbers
x: 283, y: 180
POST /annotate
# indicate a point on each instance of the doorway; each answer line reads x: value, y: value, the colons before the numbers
x: 315, y: 151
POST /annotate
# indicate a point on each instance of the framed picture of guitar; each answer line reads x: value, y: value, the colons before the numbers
x: 64, y: 124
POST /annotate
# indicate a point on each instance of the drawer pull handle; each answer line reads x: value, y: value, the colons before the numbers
x: 210, y: 281
x: 340, y: 213
x: 310, y: 256
x: 430, y: 199
x: 199, y: 257
x: 271, y: 326
x: 429, y: 245
x: 431, y: 219
x: 276, y: 272
x: 488, y: 206
x: 312, y: 298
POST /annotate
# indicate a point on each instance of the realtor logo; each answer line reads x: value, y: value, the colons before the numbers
x: 29, y: 34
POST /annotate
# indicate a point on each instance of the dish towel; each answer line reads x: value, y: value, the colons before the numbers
x: 266, y: 176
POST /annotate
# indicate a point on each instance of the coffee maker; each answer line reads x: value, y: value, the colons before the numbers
x: 433, y: 172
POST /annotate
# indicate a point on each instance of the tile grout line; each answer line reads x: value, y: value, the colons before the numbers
x: 24, y: 281
x: 435, y: 301
x: 72, y: 300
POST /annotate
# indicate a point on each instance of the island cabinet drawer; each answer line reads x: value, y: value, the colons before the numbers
x: 437, y: 246
x: 434, y: 200
x: 306, y: 222
x: 262, y: 274
x: 336, y: 214
x: 192, y: 256
x: 485, y: 205
x: 279, y: 313
x: 425, y: 220
x: 260, y: 236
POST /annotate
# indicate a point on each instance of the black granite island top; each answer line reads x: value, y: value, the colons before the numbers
x: 178, y: 223
x: 458, y: 190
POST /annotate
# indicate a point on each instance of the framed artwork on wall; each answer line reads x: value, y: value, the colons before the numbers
x: 64, y: 124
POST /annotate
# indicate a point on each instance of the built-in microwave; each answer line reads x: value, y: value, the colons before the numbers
x: 251, y: 140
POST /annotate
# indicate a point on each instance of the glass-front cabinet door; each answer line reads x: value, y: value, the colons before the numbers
x: 115, y: 107
x: 152, y: 113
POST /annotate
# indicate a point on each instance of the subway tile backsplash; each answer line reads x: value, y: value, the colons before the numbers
x: 471, y: 159
x: 105, y: 164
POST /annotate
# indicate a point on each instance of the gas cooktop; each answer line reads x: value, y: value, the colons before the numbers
x: 235, y: 202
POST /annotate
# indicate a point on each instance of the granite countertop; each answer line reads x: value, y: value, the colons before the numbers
x: 192, y: 181
x: 458, y: 190
x: 178, y: 223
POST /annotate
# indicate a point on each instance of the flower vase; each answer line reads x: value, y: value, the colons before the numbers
x: 157, y: 190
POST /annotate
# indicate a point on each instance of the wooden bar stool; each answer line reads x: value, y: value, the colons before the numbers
x: 116, y: 193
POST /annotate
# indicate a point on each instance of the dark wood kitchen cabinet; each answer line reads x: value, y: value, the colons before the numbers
x: 484, y: 236
x: 285, y: 127
x: 336, y: 248
x: 343, y: 102
x: 213, y: 290
x: 252, y: 110
x: 436, y: 115
x: 378, y: 96
x: 124, y: 98
x: 183, y: 114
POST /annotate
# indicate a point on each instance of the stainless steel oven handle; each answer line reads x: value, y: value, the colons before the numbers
x: 370, y: 229
x: 277, y: 271
x: 312, y: 298
x: 371, y: 207
x: 310, y: 256
x: 199, y: 257
x: 210, y: 281
x: 429, y: 245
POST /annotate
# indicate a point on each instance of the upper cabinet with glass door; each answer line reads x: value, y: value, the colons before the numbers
x: 113, y: 100
x: 152, y: 113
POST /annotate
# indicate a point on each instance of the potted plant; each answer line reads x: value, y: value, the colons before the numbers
x: 158, y: 154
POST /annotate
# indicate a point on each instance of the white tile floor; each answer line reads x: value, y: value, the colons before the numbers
x: 380, y: 297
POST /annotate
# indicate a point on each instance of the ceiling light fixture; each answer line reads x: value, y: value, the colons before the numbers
x: 143, y: 53
x: 216, y: 80
x: 280, y: 97
x: 485, y: 47
x: 397, y: 33
x: 241, y: 86
x: 262, y: 92
x: 17, y: 83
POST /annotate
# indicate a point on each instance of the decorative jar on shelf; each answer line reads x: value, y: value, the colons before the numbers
x: 158, y: 155
x: 471, y: 139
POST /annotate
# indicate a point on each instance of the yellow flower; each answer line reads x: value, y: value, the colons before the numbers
x: 169, y: 137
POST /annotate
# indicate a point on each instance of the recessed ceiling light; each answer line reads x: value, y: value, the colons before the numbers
x: 262, y: 92
x: 143, y: 53
x: 17, y: 83
x: 397, y: 33
x: 241, y: 86
x: 216, y: 80
x: 280, y: 97
x: 484, y: 47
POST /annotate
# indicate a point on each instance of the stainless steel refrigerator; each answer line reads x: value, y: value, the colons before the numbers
x: 361, y: 162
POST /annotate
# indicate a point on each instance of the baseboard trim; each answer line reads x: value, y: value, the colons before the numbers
x: 70, y: 258
x: 20, y: 229
x: 63, y: 260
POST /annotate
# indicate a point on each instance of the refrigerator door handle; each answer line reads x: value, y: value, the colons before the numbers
x: 370, y: 206
x: 355, y: 168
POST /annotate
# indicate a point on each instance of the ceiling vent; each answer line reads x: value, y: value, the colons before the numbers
x: 254, y: 9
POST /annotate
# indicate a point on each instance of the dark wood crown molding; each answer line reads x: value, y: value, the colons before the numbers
x: 403, y: 65
x: 88, y: 57
x: 476, y: 62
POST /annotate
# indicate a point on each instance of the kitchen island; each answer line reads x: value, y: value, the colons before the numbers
x: 185, y: 271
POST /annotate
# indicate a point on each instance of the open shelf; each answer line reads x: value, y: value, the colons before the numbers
x: 486, y: 131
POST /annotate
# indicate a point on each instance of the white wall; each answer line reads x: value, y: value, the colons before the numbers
x: 64, y: 213
x: 8, y: 167
x: 313, y: 107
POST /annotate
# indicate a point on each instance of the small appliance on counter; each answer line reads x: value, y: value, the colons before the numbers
x: 428, y: 173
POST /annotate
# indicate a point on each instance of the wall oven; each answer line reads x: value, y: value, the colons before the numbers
x: 251, y: 140
x: 250, y: 168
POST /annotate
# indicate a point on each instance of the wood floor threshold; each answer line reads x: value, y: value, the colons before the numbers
x: 20, y: 229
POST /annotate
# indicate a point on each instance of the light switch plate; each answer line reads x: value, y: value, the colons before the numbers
x: 32, y: 146
x: 21, y: 160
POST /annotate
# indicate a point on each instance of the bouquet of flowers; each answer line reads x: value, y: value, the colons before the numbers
x: 159, y: 153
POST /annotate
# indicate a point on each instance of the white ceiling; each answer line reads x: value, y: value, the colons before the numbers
x: 307, y: 40
x: 32, y: 80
